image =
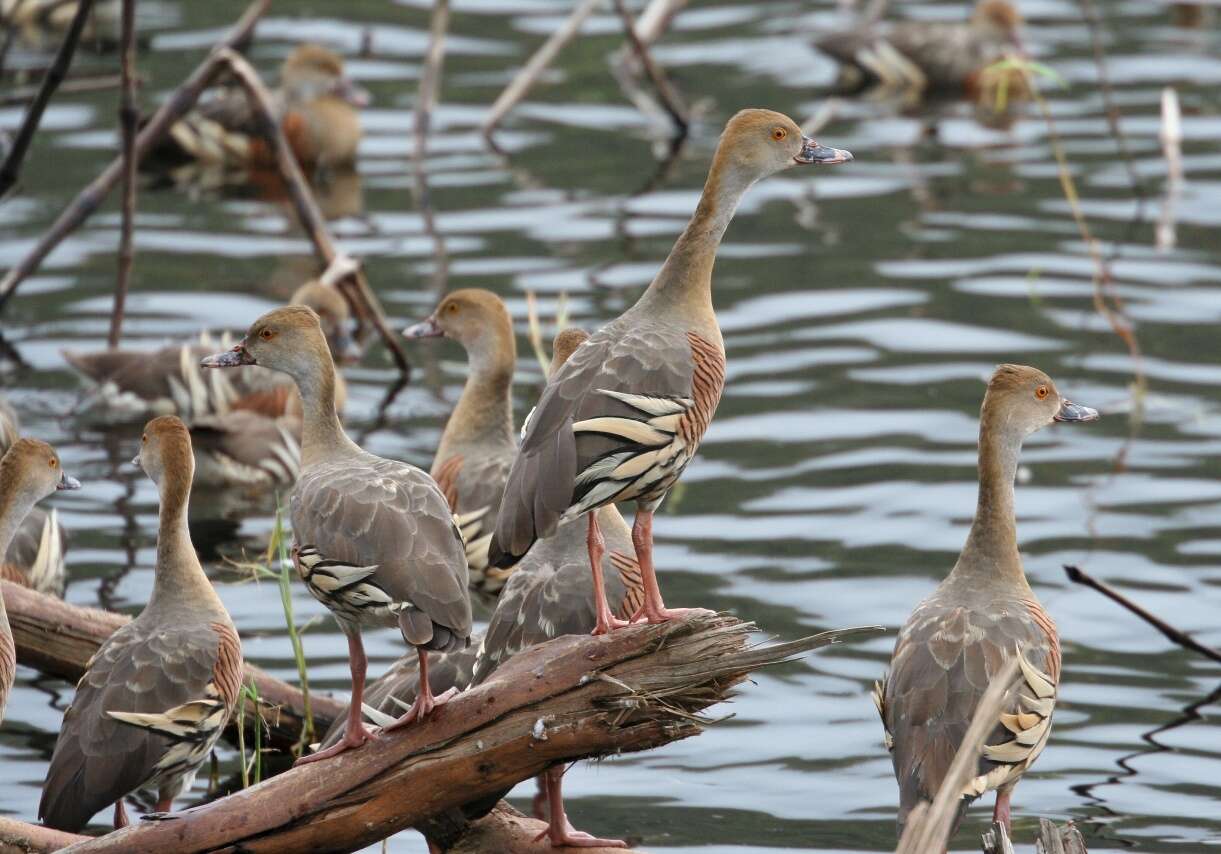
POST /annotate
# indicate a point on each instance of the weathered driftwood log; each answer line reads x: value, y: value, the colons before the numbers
x: 57, y: 638
x: 506, y: 831
x: 1052, y: 839
x: 575, y: 697
x: 19, y: 837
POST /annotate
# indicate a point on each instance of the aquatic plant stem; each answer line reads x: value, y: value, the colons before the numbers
x: 55, y: 75
x: 91, y: 197
x: 129, y: 117
x: 279, y: 549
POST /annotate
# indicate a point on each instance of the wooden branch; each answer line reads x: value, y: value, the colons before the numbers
x: 574, y: 697
x: 91, y: 197
x: 129, y: 119
x: 59, y: 639
x: 1079, y: 576
x: 11, y: 167
x: 1052, y: 839
x: 529, y: 74
x: 506, y: 831
x: 655, y: 19
x: 354, y: 287
x: 661, y: 84
x: 930, y: 830
x: 19, y: 837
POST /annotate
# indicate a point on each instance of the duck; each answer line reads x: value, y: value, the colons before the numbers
x: 622, y: 418
x: 34, y: 556
x: 982, y: 614
x: 29, y: 471
x: 479, y: 442
x: 374, y: 538
x: 168, y: 381
x: 928, y: 56
x: 549, y: 594
x: 159, y: 691
x: 318, y: 109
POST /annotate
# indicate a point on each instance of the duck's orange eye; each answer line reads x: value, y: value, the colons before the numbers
x: 1041, y: 392
x: 779, y: 134
x: 453, y: 308
x: 53, y: 462
x: 144, y: 439
x: 266, y: 334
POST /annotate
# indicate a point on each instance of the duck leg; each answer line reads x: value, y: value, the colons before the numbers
x: 1000, y: 812
x: 653, y: 610
x: 538, y: 804
x: 560, y: 831
x: 355, y: 733
x: 425, y: 701
x: 597, y: 548
x: 120, y: 814
x: 165, y: 803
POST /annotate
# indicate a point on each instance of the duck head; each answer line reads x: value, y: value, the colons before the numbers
x: 1021, y: 400
x: 476, y: 319
x: 287, y: 339
x: 312, y: 71
x: 32, y: 469
x: 333, y: 315
x: 165, y: 447
x: 999, y: 18
x: 565, y: 344
x: 757, y: 143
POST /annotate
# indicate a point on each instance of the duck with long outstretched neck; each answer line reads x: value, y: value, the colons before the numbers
x: 34, y: 556
x: 29, y: 471
x: 623, y: 417
x: 479, y: 443
x: 978, y: 618
x: 374, y: 539
x: 159, y: 691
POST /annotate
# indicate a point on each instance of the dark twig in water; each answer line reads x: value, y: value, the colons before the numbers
x: 1114, y: 116
x: 665, y: 92
x: 430, y: 87
x: 75, y: 85
x: 129, y: 118
x: 92, y: 196
x: 1079, y: 576
x: 353, y: 284
x: 11, y: 167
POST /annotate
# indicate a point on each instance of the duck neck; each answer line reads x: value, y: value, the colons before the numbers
x: 485, y: 410
x: 322, y: 436
x: 15, y: 505
x: 179, y: 580
x: 686, y: 275
x: 992, y: 547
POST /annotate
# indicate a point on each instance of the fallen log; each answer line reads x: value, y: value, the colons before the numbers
x: 572, y: 698
x: 55, y: 637
x: 19, y: 837
x: 506, y: 831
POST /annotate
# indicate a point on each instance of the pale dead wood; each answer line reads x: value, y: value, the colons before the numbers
x: 506, y: 831
x: 571, y: 698
x: 19, y: 837
x: 55, y: 75
x: 353, y: 286
x: 129, y: 119
x: 930, y: 830
x: 656, y: 18
x: 669, y: 99
x: 1059, y: 840
x: 92, y: 196
x: 57, y: 638
x: 996, y: 840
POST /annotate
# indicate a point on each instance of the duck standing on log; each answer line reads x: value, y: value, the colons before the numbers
x: 479, y: 442
x: 29, y: 471
x: 623, y: 417
x: 34, y: 555
x: 159, y: 691
x: 981, y: 615
x: 374, y: 539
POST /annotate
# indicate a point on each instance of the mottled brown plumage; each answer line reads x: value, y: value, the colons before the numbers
x: 374, y: 539
x: 29, y: 472
x: 979, y: 617
x: 159, y: 691
x: 623, y: 417
x: 479, y: 443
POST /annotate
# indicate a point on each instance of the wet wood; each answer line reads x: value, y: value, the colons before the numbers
x: 171, y: 110
x: 57, y: 638
x: 354, y: 287
x: 572, y: 698
x: 19, y: 837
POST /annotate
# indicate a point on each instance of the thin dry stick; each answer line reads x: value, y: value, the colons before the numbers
x: 54, y: 76
x: 357, y: 288
x: 129, y: 117
x: 655, y: 19
x: 1171, y: 136
x: 528, y: 76
x: 1094, y: 19
x: 99, y: 83
x: 1079, y: 576
x: 90, y: 198
x: 933, y: 830
x: 430, y: 86
x: 665, y: 92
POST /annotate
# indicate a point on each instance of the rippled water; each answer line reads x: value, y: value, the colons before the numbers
x: 862, y: 309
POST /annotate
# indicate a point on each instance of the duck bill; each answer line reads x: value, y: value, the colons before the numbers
x: 67, y: 482
x: 353, y: 93
x: 424, y: 329
x: 236, y: 357
x: 1071, y: 412
x: 822, y: 155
